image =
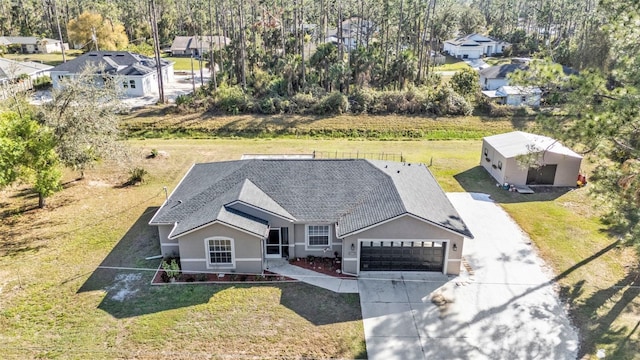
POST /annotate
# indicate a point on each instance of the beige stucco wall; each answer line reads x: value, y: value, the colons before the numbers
x: 247, y: 250
x: 405, y: 228
x: 168, y: 247
x: 299, y: 241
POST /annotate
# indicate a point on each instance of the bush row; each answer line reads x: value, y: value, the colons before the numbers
x: 442, y: 100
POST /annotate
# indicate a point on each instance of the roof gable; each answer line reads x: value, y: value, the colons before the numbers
x: 354, y: 193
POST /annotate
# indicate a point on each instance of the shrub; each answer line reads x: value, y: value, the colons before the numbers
x: 137, y: 175
x: 448, y: 102
x: 267, y: 106
x: 42, y: 82
x: 361, y: 101
x: 334, y: 103
x: 171, y: 269
x: 184, y: 99
x: 302, y: 102
x: 231, y: 99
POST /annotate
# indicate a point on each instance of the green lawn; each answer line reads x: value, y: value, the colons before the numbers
x: 56, y: 303
x: 49, y: 59
x: 452, y: 64
x: 184, y: 63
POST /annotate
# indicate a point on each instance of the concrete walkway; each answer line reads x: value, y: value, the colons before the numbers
x: 505, y: 307
x: 282, y: 267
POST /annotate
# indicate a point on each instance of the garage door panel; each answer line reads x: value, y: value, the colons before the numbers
x: 401, y: 256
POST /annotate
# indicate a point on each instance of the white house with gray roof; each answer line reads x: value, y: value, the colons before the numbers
x: 32, y: 44
x: 138, y: 72
x: 376, y: 215
x: 474, y: 46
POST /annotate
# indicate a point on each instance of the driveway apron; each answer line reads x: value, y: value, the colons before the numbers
x: 502, y: 306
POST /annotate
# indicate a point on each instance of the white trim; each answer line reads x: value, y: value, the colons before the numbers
x: 210, y: 265
x: 248, y: 259
x: 398, y: 217
x: 191, y: 260
x: 349, y: 259
x: 209, y: 224
x: 299, y: 244
x: 259, y: 209
x: 454, y: 260
x: 169, y: 197
x: 165, y: 244
x: 444, y: 242
x: 308, y: 247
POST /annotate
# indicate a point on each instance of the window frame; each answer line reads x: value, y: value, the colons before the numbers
x: 207, y: 244
x: 308, y: 245
x: 132, y: 83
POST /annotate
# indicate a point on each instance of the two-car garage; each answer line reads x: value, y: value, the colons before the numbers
x: 401, y: 255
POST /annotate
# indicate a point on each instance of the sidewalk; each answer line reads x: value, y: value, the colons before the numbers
x: 282, y: 267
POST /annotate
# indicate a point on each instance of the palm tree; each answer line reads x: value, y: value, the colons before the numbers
x: 403, y: 68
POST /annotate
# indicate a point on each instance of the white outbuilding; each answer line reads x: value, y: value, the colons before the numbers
x: 521, y: 158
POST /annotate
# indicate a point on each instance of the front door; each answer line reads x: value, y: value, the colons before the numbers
x: 273, y: 244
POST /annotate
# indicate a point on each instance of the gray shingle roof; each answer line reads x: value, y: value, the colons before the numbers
x: 501, y: 71
x: 114, y: 62
x: 354, y: 193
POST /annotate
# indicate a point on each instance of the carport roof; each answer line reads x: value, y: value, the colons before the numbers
x: 520, y: 143
x: 355, y: 194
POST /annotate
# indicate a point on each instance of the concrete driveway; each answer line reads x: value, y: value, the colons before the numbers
x: 503, y: 305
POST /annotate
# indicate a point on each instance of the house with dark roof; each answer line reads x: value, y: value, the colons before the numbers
x: 197, y: 45
x: 375, y: 215
x: 138, y: 72
x: 474, y: 46
x: 493, y: 77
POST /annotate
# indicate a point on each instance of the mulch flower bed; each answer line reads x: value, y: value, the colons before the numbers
x: 162, y: 278
x: 324, y: 265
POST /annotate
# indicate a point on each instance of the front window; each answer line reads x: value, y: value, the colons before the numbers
x: 220, y: 252
x: 132, y: 84
x: 318, y: 235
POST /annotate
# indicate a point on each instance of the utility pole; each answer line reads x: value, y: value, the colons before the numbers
x: 156, y: 48
x: 55, y: 13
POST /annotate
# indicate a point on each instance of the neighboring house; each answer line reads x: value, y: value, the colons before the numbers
x: 376, y: 215
x: 493, y: 77
x: 138, y: 72
x: 515, y: 95
x: 197, y: 45
x: 11, y: 70
x: 555, y: 164
x: 474, y: 46
x: 32, y: 45
x: 355, y: 31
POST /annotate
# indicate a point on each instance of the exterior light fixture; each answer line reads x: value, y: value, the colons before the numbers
x: 353, y: 247
x: 455, y: 247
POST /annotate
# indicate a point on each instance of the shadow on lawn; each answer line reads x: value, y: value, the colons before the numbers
x: 477, y: 180
x: 126, y: 277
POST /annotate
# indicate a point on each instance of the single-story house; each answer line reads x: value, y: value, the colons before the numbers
x: 474, y: 46
x: 515, y: 95
x: 197, y: 45
x: 138, y: 72
x: 375, y: 215
x: 493, y: 77
x: 11, y: 69
x: 521, y: 158
x: 32, y: 45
